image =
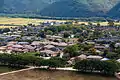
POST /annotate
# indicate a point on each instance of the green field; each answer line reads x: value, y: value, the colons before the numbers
x: 4, y: 69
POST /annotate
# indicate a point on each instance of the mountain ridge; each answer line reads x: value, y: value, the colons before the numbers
x: 61, y: 8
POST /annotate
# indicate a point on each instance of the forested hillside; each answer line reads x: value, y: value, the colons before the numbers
x: 115, y: 11
x: 61, y: 8
x: 23, y: 6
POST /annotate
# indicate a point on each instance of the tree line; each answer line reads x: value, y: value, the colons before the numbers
x: 97, y: 66
x: 93, y: 66
x: 20, y: 60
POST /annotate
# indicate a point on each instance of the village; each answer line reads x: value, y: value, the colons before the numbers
x: 70, y: 40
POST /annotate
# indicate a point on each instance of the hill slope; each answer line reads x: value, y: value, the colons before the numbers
x: 62, y: 8
x: 79, y: 8
x: 66, y: 9
x: 115, y: 11
x: 23, y: 6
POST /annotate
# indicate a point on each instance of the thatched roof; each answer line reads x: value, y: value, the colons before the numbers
x: 94, y: 57
x: 35, y: 43
x: 29, y: 47
x: 47, y: 51
x: 23, y: 43
x: 82, y: 56
x: 17, y: 46
x: 49, y: 46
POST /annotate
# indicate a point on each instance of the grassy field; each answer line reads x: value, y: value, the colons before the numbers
x: 52, y: 75
x: 21, y: 21
x: 4, y: 69
x: 101, y: 23
x: 7, y: 22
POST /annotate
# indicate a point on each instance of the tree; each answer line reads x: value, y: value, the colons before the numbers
x: 90, y: 24
x: 110, y: 23
x: 112, y: 55
x: 72, y: 50
x: 5, y: 30
x: 97, y: 34
x: 66, y: 35
x: 49, y: 32
x: 93, y: 51
x: 104, y: 67
x: 112, y: 46
x: 105, y: 52
x: 61, y: 62
x: 42, y: 34
x: 98, y: 25
x: 81, y: 39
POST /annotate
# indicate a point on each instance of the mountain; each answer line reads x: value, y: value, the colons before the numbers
x: 79, y: 8
x: 115, y: 11
x: 26, y: 6
x: 59, y: 8
x: 23, y: 6
x: 66, y: 9
x: 1, y: 5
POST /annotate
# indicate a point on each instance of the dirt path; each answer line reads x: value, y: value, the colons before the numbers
x: 16, y: 71
x: 30, y: 68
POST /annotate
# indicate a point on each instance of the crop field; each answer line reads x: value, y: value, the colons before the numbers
x: 101, y: 23
x: 7, y: 22
x: 15, y: 22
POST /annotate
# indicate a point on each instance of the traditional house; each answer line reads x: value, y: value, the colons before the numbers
x: 49, y: 46
x: 100, y: 47
x: 23, y: 43
x: 15, y: 48
x: 12, y: 43
x: 29, y: 48
x: 36, y: 44
x: 48, y: 53
x: 3, y: 49
x: 74, y: 59
x: 117, y: 45
x: 82, y: 57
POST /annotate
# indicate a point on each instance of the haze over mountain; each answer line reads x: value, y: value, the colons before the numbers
x: 62, y: 8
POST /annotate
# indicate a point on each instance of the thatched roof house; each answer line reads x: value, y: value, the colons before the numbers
x: 82, y: 57
x: 49, y: 53
x: 49, y: 46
